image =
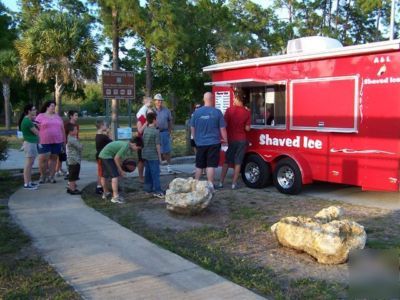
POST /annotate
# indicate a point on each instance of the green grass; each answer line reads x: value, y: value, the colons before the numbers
x: 23, y: 274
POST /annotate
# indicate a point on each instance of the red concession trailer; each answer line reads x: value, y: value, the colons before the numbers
x: 329, y: 115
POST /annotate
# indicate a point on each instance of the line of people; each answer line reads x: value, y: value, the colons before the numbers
x: 210, y: 129
x: 46, y: 134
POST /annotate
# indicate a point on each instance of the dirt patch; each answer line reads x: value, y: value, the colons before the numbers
x: 245, y: 216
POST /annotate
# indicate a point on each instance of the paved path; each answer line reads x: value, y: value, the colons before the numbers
x: 103, y: 260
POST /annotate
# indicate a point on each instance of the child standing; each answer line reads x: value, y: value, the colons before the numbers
x: 152, y: 156
x: 102, y: 139
x: 72, y: 119
x: 74, y: 154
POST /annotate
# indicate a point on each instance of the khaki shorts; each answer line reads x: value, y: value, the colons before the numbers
x: 30, y: 149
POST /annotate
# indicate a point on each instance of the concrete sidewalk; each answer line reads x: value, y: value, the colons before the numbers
x: 103, y: 260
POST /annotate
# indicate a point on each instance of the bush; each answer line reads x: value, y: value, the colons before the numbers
x: 3, y: 148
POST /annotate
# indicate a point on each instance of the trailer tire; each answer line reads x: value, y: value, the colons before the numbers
x: 256, y: 173
x: 287, y: 177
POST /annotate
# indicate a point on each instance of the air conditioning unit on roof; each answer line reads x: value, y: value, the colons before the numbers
x: 312, y: 44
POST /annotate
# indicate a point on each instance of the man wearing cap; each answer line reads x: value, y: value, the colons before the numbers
x: 164, y: 122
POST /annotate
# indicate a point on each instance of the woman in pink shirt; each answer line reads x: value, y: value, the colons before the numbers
x: 51, y: 140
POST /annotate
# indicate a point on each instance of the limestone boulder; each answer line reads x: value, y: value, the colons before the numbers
x: 329, y: 242
x: 187, y: 196
x: 329, y: 214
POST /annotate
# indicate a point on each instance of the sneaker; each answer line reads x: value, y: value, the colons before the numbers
x: 211, y: 187
x: 29, y: 187
x: 235, y: 186
x: 220, y: 185
x: 42, y: 180
x: 74, y: 192
x: 118, y: 200
x: 58, y: 174
x: 51, y: 180
x: 99, y: 190
x: 105, y: 196
x: 159, y: 195
x: 33, y: 184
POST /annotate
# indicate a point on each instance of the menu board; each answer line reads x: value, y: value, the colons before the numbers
x: 222, y: 100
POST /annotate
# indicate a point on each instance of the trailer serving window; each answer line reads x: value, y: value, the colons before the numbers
x: 267, y: 105
x: 266, y: 100
x: 324, y: 104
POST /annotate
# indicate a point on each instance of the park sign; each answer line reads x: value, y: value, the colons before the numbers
x: 118, y: 84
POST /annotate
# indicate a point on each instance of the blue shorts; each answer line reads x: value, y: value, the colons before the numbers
x: 165, y: 142
x: 50, y: 148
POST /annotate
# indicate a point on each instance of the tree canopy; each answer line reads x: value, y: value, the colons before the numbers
x: 167, y: 43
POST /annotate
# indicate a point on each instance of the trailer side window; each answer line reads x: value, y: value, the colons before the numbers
x: 268, y: 105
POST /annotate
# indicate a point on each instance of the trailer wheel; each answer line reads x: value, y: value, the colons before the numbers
x: 287, y: 177
x: 256, y: 173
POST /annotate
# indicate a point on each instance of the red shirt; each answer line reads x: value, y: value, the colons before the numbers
x: 236, y: 118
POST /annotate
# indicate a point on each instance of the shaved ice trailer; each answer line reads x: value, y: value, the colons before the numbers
x: 322, y: 112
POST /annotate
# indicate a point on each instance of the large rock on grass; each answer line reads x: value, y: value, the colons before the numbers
x: 187, y: 196
x: 323, y: 237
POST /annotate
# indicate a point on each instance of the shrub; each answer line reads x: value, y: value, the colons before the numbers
x: 3, y: 148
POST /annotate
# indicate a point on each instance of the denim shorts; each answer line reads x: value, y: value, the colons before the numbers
x: 165, y: 142
x: 50, y: 148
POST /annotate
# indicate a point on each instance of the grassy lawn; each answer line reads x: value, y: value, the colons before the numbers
x: 233, y: 239
x: 23, y: 274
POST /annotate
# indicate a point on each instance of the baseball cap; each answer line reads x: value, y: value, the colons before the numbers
x: 158, y: 97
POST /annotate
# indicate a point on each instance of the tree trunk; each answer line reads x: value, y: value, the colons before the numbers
x: 115, y: 67
x: 378, y: 20
x: 58, y: 90
x: 6, y: 94
x: 149, y: 77
x: 337, y: 14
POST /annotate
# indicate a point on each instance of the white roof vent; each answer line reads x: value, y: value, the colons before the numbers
x: 312, y: 44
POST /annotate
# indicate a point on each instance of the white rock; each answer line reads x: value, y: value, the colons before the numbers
x: 329, y: 214
x: 187, y: 196
x: 328, y: 242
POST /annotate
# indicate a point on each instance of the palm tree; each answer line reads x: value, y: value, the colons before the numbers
x: 8, y: 71
x: 58, y: 47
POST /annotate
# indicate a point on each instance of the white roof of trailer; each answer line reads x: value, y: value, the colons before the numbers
x: 337, y: 52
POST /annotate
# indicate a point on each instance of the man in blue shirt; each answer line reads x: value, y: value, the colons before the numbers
x: 208, y: 127
x: 164, y: 123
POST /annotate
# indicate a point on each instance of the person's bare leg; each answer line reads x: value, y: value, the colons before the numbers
x: 72, y: 185
x: 167, y: 157
x: 28, y: 169
x: 43, y: 164
x: 58, y: 164
x: 236, y: 173
x: 114, y: 185
x: 223, y: 173
x: 210, y: 175
x: 104, y: 185
x: 197, y: 174
x: 140, y: 167
x: 52, y: 165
